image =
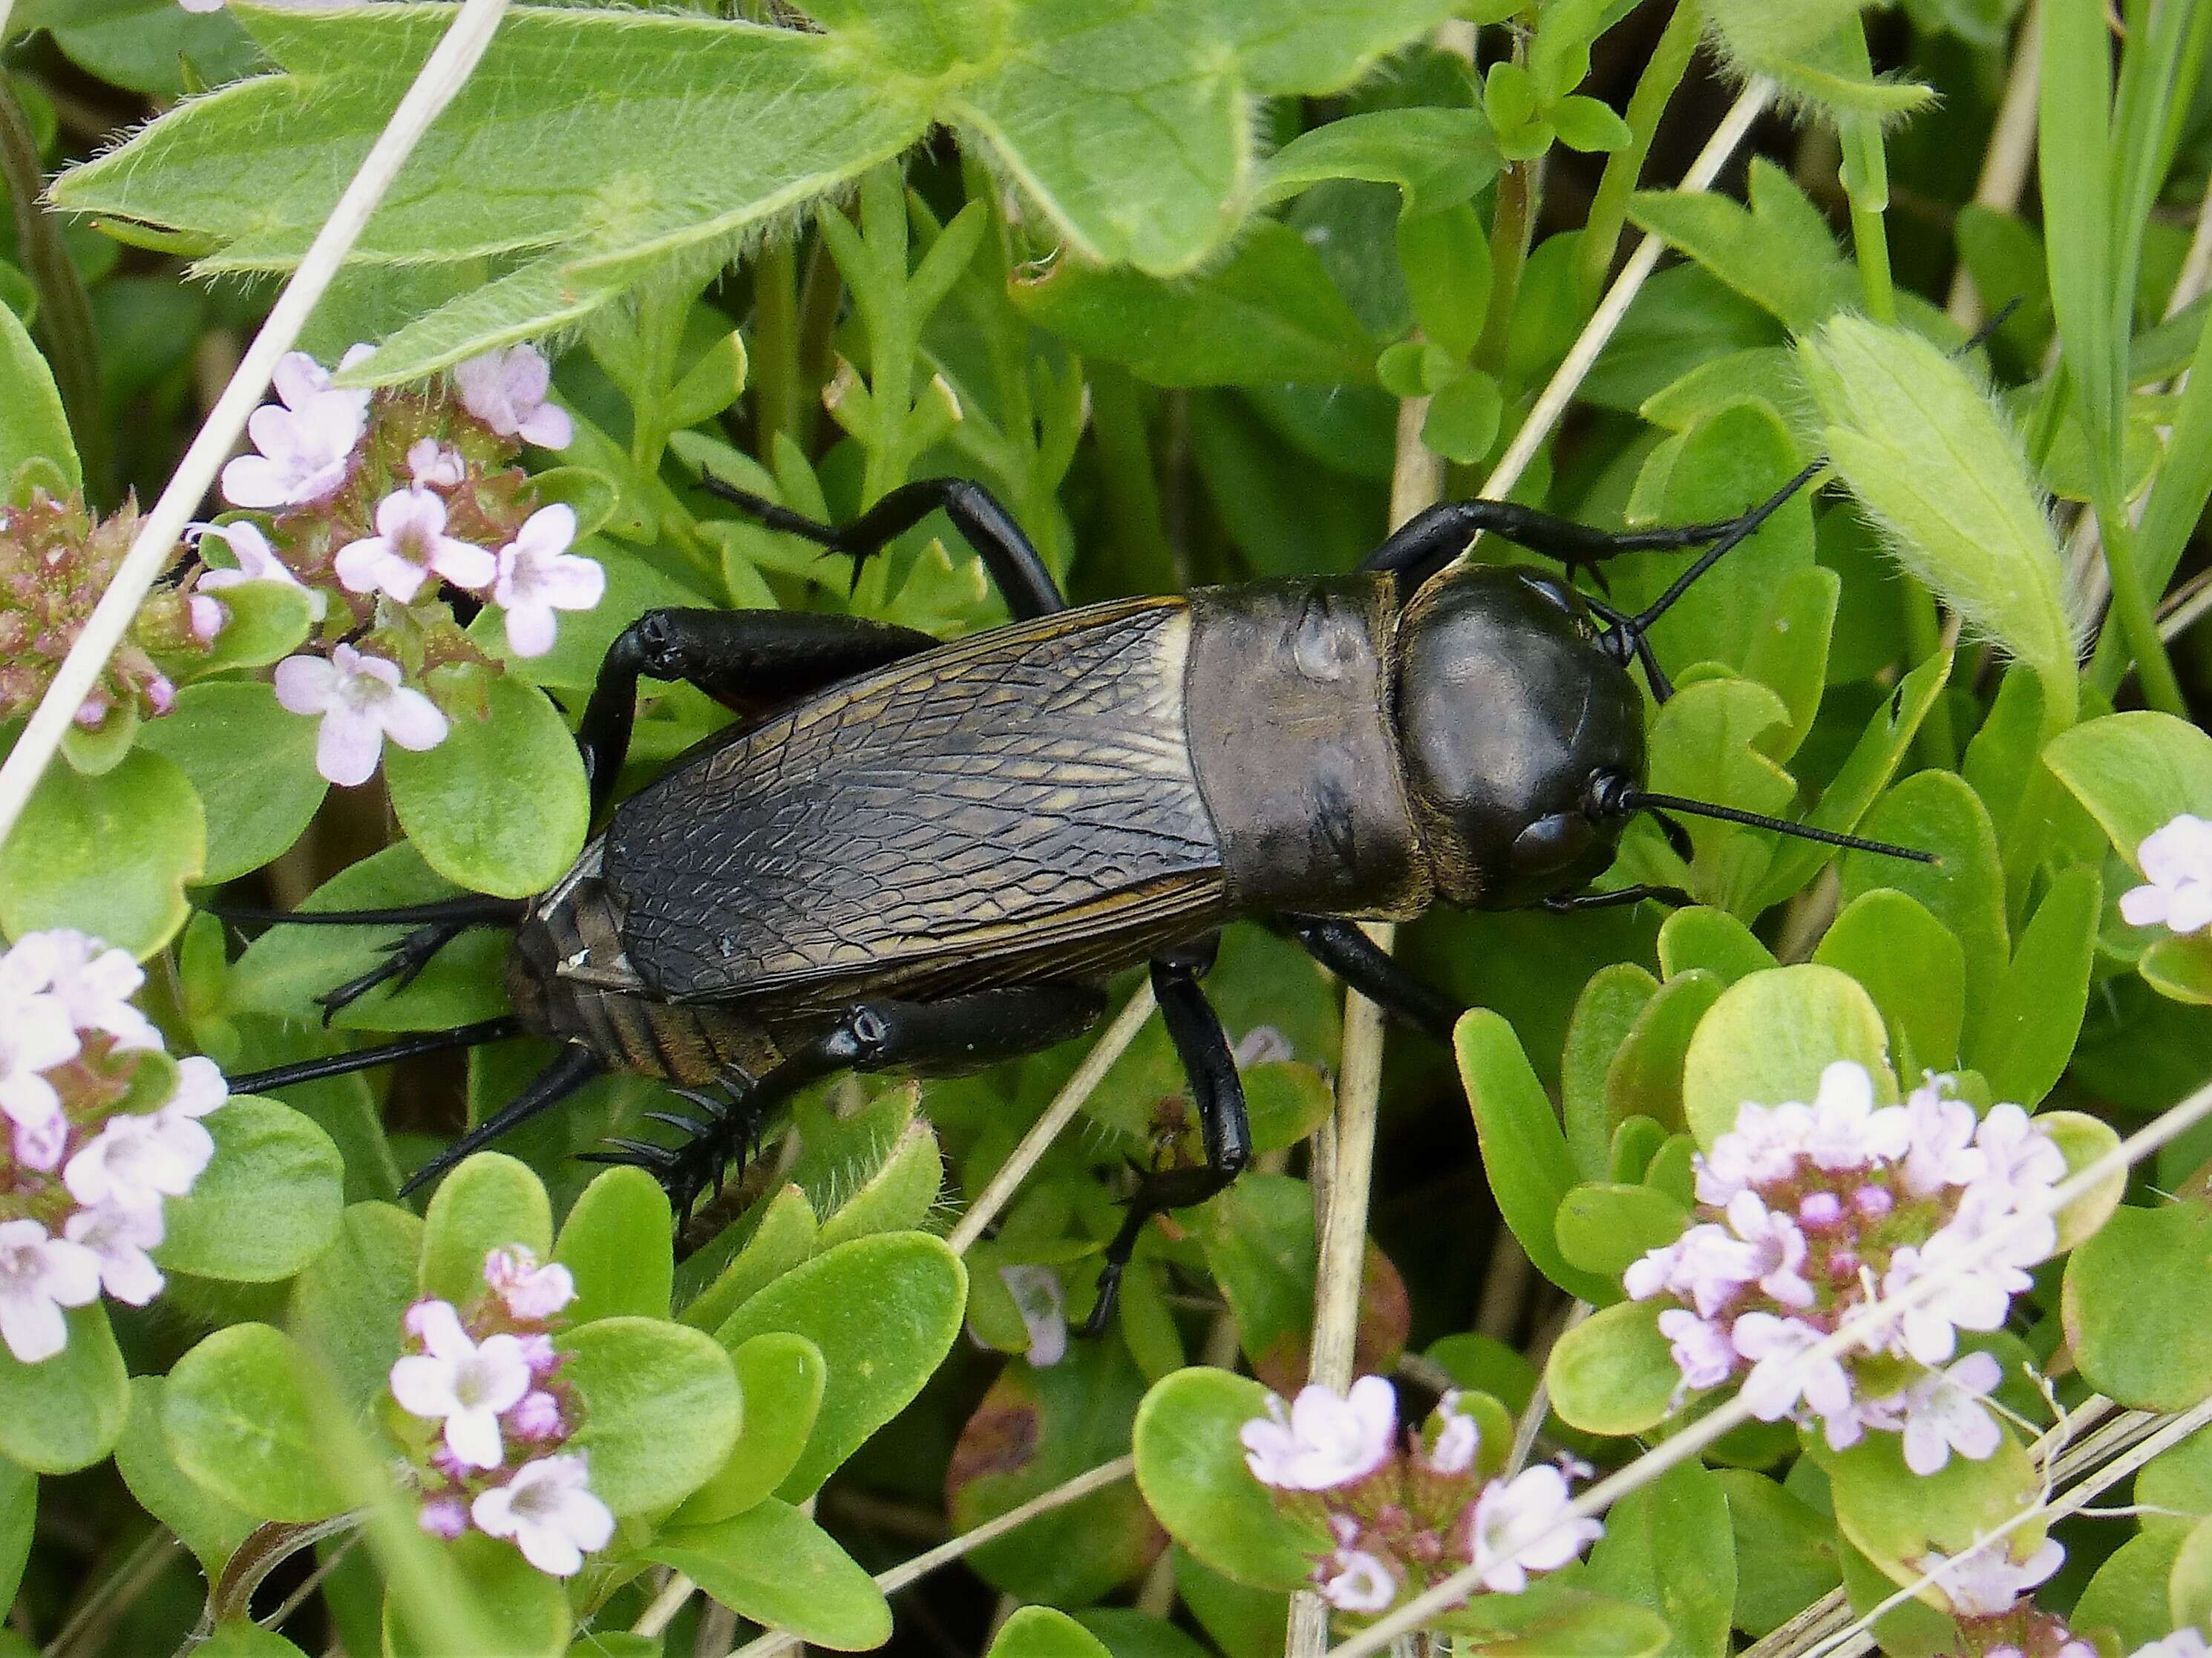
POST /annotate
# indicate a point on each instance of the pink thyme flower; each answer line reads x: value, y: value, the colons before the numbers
x: 1520, y: 1525
x: 92, y: 983
x: 361, y: 702
x: 120, y: 1236
x: 305, y: 440
x: 1355, y: 1580
x: 35, y: 1033
x: 549, y: 1509
x: 410, y: 546
x: 257, y: 561
x: 2177, y: 866
x: 506, y: 389
x: 1943, y: 1412
x: 1038, y: 1297
x: 40, y: 1275
x: 537, y: 575
x: 432, y: 466
x: 1986, y: 1581
x: 1324, y: 1442
x: 462, y: 1382
x: 531, y: 1291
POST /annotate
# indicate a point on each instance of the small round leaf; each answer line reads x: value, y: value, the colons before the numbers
x: 500, y: 806
x: 1191, y: 1469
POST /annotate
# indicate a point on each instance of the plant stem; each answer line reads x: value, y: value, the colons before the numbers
x: 2131, y: 607
x: 1508, y: 252
x: 820, y: 294
x: 775, y: 344
x: 1133, y: 491
x: 64, y: 308
x: 1655, y: 89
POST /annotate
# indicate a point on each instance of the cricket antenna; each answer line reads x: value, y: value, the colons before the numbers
x: 1631, y: 798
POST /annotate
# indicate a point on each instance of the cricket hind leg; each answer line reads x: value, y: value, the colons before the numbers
x: 956, y: 1033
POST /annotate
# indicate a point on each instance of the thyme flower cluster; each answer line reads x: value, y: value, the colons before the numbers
x: 384, y: 505
x: 1808, y: 1213
x: 488, y: 1375
x: 1405, y: 1511
x: 56, y: 560
x: 102, y: 1131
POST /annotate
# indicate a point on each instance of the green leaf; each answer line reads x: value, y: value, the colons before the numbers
x: 2138, y: 1306
x: 1614, y: 1373
x: 32, y: 424
x: 1699, y: 937
x: 1785, y: 1552
x: 19, y: 1513
x: 210, y: 1528
x: 1667, y: 1546
x: 246, y: 1418
x: 774, y: 1565
x: 1913, y: 967
x: 783, y: 1233
x: 1779, y: 251
x: 245, y: 1639
x: 1445, y: 258
x: 1524, y: 1151
x: 2128, y: 1593
x: 782, y: 1378
x: 1924, y: 449
x: 516, y: 1610
x: 263, y: 622
x: 490, y: 1202
x: 1895, y: 1517
x: 284, y: 970
x: 616, y: 1243
x: 2135, y: 773
x: 141, y: 45
x: 1605, y: 1228
x: 884, y: 1311
x: 1438, y: 157
x: 265, y: 1207
x: 1604, y: 1014
x: 1733, y: 461
x: 1042, y: 1632
x: 1964, y: 889
x: 2180, y: 968
x: 1707, y: 744
x: 1190, y: 1467
x: 110, y: 855
x: 346, y: 1306
x: 661, y: 1408
x: 2084, y: 1141
x: 1645, y: 1077
x: 2029, y: 1034
x: 606, y: 148
x: 252, y: 765
x: 1463, y: 418
x: 65, y: 1412
x: 1270, y: 315
x: 1588, y: 125
x: 500, y: 806
x: 1789, y: 653
x: 1769, y: 1037
x: 1873, y: 760
x: 1034, y: 1431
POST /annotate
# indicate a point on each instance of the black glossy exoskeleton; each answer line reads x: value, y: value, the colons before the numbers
x: 927, y: 856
